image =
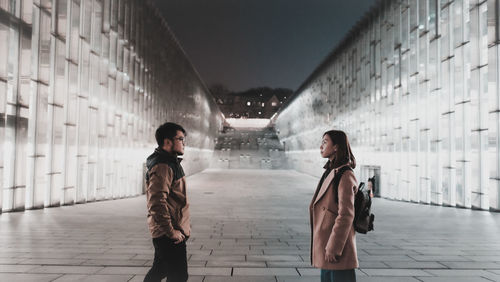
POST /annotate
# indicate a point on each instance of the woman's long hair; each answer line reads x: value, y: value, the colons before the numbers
x: 344, y: 153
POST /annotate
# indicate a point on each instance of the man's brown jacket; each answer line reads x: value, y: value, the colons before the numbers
x: 168, y: 208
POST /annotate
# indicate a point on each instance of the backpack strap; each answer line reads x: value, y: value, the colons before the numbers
x: 336, y: 181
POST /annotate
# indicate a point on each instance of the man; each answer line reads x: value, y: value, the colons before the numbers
x: 168, y: 209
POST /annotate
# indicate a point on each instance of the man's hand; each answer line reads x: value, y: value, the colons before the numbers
x: 330, y: 258
x: 178, y: 237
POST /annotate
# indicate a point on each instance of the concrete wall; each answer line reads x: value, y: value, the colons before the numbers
x: 416, y: 87
x: 83, y: 86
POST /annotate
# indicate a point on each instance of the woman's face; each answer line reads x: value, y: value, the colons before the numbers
x: 327, y: 148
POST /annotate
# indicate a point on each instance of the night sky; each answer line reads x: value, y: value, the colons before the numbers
x: 252, y: 43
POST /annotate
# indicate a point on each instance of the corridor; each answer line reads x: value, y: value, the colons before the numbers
x: 248, y: 225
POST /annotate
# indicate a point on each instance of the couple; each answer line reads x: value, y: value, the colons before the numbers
x: 333, y: 242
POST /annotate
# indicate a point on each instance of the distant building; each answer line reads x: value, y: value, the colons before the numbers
x: 254, y: 103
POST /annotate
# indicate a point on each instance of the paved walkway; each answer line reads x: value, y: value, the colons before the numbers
x: 248, y: 225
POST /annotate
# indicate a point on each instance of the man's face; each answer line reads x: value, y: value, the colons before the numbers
x: 179, y: 141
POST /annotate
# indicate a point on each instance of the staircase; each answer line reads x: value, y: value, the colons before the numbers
x: 249, y: 149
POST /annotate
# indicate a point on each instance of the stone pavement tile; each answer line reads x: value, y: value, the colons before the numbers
x: 11, y: 260
x: 308, y: 271
x: 492, y: 276
x: 190, y: 247
x: 496, y: 271
x: 63, y: 269
x: 306, y: 257
x: 199, y: 252
x: 227, y: 241
x: 414, y: 264
x: 302, y: 264
x: 471, y: 265
x: 52, y: 261
x: 273, y: 258
x: 371, y: 245
x: 316, y: 272
x: 275, y: 248
x: 62, y: 252
x: 216, y: 245
x: 440, y: 251
x: 386, y: 279
x: 140, y: 278
x: 485, y: 258
x: 482, y: 253
x: 9, y: 254
x: 237, y: 252
x: 251, y: 242
x: 93, y: 278
x: 48, y: 255
x: 17, y: 268
x: 474, y: 248
x: 385, y: 258
x: 124, y: 270
x: 457, y: 272
x: 359, y: 272
x: 22, y: 277
x: 277, y: 245
x: 217, y: 271
x: 128, y: 251
x: 372, y: 264
x: 239, y: 279
x: 284, y: 252
x: 200, y: 263
x: 111, y: 256
x: 304, y: 246
x: 395, y: 272
x: 440, y: 258
x: 218, y: 258
x: 137, y: 278
x: 216, y: 263
x: 454, y: 279
x: 237, y: 249
x: 115, y: 262
x: 237, y: 271
x: 376, y: 252
x: 298, y: 278
x: 148, y: 257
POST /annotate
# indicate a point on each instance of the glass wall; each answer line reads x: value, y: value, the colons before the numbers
x: 83, y: 86
x: 416, y: 87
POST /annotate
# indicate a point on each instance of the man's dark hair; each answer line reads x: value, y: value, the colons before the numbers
x: 167, y: 130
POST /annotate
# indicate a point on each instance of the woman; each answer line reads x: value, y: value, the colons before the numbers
x: 333, y: 241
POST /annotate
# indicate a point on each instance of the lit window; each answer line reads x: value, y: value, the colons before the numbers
x: 263, y: 105
x: 248, y: 103
x: 260, y: 113
x: 273, y: 104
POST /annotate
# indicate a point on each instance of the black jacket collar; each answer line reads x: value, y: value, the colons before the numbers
x: 161, y: 156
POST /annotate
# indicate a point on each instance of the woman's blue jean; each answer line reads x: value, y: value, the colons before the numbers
x: 347, y: 275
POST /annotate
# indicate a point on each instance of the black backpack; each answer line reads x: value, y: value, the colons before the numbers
x: 363, y: 218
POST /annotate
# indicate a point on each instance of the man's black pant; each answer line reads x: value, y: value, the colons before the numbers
x: 170, y: 261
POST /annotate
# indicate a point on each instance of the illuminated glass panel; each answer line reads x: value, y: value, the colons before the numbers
x: 435, y: 94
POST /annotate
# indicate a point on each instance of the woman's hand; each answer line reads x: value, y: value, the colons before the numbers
x: 330, y: 258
